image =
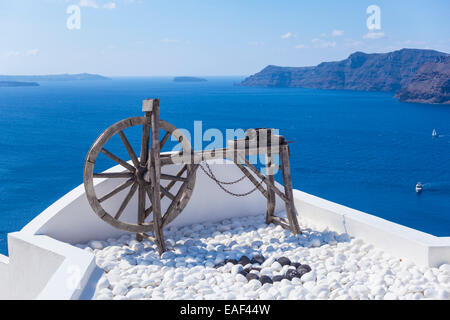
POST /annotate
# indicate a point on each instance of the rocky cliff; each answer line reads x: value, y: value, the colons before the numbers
x: 360, y: 71
x: 431, y: 83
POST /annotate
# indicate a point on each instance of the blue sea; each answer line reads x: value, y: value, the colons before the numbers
x: 361, y: 149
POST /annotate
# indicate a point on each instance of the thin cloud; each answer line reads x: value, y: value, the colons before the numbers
x: 321, y: 44
x: 109, y: 5
x: 88, y: 3
x: 301, y: 46
x: 12, y: 54
x: 94, y: 4
x: 33, y: 52
x: 353, y: 43
x: 373, y: 35
x: 287, y: 35
x: 337, y: 33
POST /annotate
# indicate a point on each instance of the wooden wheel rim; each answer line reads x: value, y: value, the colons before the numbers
x: 89, y: 175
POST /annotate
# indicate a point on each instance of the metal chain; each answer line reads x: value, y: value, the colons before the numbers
x: 222, y: 182
x: 212, y: 176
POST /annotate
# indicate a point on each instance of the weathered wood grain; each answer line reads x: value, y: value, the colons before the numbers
x: 145, y: 139
x: 290, y: 206
x: 256, y: 183
x: 270, y: 192
x: 123, y: 163
x: 121, y: 187
x: 113, y: 175
x: 155, y: 171
x: 126, y: 200
x: 130, y: 150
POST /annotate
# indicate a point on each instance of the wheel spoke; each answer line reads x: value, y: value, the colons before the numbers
x: 150, y: 209
x: 164, y: 140
x: 167, y: 193
x: 172, y: 207
x: 113, y: 175
x: 126, y: 200
x: 129, y: 149
x: 123, y: 163
x: 144, y: 145
x: 121, y: 187
x: 170, y: 177
x: 179, y: 174
x: 168, y: 187
x: 164, y: 192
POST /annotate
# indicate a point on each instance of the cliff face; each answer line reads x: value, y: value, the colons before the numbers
x: 431, y: 84
x: 360, y: 71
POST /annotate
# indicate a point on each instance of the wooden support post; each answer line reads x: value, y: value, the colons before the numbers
x: 143, y: 162
x: 141, y: 210
x: 291, y: 212
x: 252, y: 179
x: 263, y: 178
x: 270, y: 192
x: 154, y: 166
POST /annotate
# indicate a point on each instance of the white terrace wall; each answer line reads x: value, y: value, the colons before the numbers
x: 43, y: 264
x: 419, y: 247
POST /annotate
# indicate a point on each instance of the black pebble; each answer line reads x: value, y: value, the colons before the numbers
x: 265, y: 279
x: 248, y: 269
x: 296, y: 264
x: 277, y: 278
x: 304, y: 267
x: 259, y: 258
x: 256, y: 268
x: 233, y: 261
x: 244, y: 260
x: 243, y: 272
x: 220, y: 264
x: 251, y: 276
x: 284, y: 261
x: 292, y: 273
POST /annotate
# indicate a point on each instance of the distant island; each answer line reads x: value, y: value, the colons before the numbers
x: 54, y: 77
x: 395, y: 71
x: 189, y: 79
x: 18, y: 84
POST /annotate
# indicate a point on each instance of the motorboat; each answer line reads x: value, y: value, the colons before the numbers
x: 419, y: 187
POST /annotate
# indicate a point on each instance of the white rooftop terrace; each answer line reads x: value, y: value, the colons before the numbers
x: 44, y: 263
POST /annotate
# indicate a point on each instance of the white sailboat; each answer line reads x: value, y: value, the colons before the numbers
x: 434, y: 133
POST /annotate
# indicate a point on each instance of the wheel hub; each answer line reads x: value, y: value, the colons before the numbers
x: 142, y: 175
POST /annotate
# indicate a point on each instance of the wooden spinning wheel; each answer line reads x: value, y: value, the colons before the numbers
x: 142, y: 176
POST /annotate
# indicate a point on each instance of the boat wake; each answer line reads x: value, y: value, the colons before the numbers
x: 436, y: 186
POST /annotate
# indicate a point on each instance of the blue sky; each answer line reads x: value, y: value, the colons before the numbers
x: 207, y: 37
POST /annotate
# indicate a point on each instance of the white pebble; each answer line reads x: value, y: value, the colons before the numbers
x: 240, y: 278
x: 120, y: 290
x: 96, y: 245
x: 342, y: 268
x: 276, y: 266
